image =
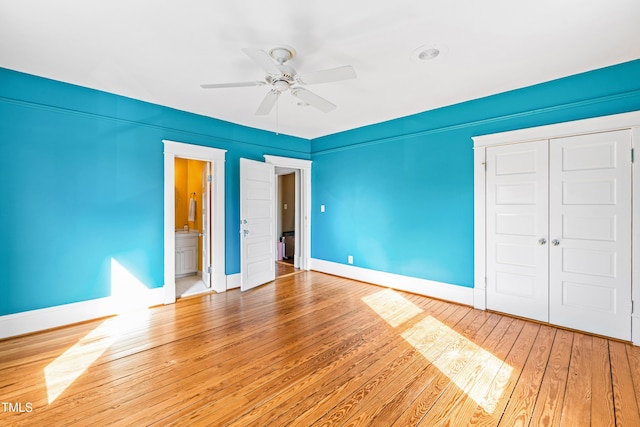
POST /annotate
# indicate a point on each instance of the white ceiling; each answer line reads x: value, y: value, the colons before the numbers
x: 160, y: 51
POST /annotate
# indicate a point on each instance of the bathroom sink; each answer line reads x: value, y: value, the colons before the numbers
x: 187, y: 233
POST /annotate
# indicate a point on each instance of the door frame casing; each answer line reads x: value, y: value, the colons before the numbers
x: 216, y: 157
x: 629, y: 120
x: 303, y: 198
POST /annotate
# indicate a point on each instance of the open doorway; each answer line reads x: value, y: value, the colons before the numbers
x: 192, y: 226
x: 286, y: 224
x: 292, y: 214
x: 194, y: 257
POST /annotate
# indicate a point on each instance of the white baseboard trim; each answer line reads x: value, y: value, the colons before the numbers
x: 27, y: 322
x: 233, y: 281
x: 444, y: 291
x: 480, y: 298
x: 635, y: 330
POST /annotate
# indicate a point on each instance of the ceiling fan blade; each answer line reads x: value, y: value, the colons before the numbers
x: 225, y: 85
x: 262, y: 59
x: 325, y: 76
x: 267, y: 103
x: 312, y: 99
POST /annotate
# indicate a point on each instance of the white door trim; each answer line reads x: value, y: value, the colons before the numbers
x: 635, y: 238
x: 629, y: 120
x: 557, y: 130
x: 303, y: 167
x: 216, y: 156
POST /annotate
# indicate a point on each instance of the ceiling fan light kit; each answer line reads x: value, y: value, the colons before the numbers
x: 284, y: 78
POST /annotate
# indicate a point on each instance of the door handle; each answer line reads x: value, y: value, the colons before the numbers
x: 542, y: 241
x: 555, y: 242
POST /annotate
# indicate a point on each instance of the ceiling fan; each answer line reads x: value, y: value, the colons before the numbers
x: 283, y: 78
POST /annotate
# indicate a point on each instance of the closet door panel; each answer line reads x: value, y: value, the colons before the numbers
x: 590, y: 231
x: 517, y: 220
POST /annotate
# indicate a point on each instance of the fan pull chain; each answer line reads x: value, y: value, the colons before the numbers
x: 277, y: 113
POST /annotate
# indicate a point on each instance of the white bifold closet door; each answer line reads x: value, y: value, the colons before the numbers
x: 590, y: 232
x: 559, y: 231
x: 517, y: 229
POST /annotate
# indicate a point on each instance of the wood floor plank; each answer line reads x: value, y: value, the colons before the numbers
x: 602, y: 411
x: 314, y: 349
x: 633, y: 354
x: 576, y: 407
x: 548, y: 409
x: 624, y: 396
x: 523, y: 398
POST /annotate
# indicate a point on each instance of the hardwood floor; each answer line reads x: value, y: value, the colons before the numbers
x: 313, y: 349
x: 285, y: 268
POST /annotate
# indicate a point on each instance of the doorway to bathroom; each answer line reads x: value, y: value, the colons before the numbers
x: 192, y: 226
x: 194, y: 220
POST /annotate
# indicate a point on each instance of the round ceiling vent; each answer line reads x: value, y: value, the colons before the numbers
x: 426, y: 53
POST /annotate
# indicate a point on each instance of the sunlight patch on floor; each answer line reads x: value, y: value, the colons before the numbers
x: 128, y: 295
x: 64, y: 370
x: 392, y: 307
x: 68, y: 367
x: 477, y: 372
x: 473, y: 369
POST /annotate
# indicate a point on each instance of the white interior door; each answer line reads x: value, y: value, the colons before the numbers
x: 590, y: 231
x: 257, y: 223
x: 207, y: 262
x: 517, y: 227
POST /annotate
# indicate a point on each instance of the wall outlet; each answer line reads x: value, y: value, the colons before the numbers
x: 321, y: 208
x: 350, y: 259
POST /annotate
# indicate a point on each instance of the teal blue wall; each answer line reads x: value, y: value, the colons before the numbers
x: 399, y: 194
x: 81, y: 182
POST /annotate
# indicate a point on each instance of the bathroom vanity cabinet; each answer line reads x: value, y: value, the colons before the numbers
x: 186, y: 253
